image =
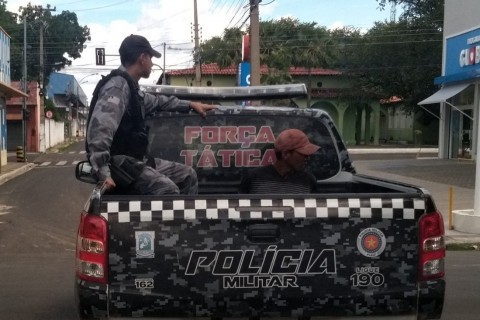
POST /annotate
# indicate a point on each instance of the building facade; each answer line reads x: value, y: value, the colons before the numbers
x: 6, y: 92
x: 458, y: 95
x: 15, y: 119
x: 70, y: 102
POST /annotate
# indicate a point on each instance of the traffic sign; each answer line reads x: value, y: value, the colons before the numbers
x: 49, y: 114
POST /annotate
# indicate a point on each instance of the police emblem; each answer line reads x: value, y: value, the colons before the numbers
x: 371, y: 242
x: 145, y: 244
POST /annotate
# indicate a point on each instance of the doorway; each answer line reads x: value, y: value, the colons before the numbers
x: 461, y: 134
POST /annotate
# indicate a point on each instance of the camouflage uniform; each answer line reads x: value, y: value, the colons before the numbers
x: 167, y: 177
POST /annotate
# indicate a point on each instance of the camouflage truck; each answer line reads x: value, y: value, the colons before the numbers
x: 360, y: 247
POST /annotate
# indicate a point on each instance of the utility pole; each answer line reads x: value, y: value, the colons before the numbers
x: 24, y: 87
x: 198, y: 70
x: 40, y: 78
x: 42, y: 26
x: 254, y: 43
x: 164, y: 82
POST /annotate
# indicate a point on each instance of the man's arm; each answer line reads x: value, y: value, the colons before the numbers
x: 154, y: 103
x: 106, y: 118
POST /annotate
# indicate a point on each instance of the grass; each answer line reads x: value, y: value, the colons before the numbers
x: 463, y: 246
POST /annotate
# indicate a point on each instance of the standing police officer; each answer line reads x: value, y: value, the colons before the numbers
x: 117, y: 137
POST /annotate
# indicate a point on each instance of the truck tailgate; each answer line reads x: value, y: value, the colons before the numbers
x: 237, y: 257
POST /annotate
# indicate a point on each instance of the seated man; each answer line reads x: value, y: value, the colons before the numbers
x: 286, y: 175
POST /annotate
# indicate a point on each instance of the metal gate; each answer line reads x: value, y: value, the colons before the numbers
x: 14, y: 134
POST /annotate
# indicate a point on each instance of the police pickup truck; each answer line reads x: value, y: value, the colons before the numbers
x: 359, y: 247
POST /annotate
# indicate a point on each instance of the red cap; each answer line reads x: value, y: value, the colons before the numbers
x: 294, y: 139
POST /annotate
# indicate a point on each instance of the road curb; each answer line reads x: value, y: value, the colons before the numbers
x: 16, y: 172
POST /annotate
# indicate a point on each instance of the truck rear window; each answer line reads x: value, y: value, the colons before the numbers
x: 222, y: 146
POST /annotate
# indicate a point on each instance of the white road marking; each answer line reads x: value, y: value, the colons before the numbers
x: 4, y: 210
x: 83, y: 152
x: 59, y: 163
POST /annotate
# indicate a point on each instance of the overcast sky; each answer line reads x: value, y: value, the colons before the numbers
x: 170, y: 22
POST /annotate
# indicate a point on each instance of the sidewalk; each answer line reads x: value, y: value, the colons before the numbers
x: 414, y: 166
x: 13, y: 168
x: 424, y: 169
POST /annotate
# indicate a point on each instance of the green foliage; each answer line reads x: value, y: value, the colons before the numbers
x: 50, y: 106
x: 225, y: 51
x: 391, y: 59
x: 424, y: 11
x: 399, y: 58
x: 62, y: 35
x: 283, y: 43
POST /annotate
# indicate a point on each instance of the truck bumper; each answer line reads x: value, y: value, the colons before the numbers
x: 430, y: 299
x: 91, y: 299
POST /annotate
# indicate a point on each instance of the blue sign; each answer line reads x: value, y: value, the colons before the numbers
x: 463, y: 53
x: 244, y: 74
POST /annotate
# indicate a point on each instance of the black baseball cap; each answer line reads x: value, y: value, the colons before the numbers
x: 137, y: 44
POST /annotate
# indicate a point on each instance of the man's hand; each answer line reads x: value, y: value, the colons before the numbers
x: 202, y: 108
x: 109, y: 183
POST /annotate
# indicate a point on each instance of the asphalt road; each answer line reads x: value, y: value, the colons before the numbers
x: 39, y: 213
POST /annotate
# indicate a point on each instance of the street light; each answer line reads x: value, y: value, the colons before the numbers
x: 88, y: 75
x: 79, y: 82
x: 164, y: 81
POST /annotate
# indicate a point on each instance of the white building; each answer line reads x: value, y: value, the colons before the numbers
x: 459, y: 95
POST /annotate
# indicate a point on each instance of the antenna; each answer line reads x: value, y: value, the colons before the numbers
x: 393, y: 10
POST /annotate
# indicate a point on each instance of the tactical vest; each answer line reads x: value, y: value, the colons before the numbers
x: 131, y: 137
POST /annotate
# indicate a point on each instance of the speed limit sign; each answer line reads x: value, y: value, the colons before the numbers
x: 49, y: 114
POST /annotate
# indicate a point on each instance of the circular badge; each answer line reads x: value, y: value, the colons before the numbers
x: 371, y: 242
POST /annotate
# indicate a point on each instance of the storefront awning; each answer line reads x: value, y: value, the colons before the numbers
x: 444, y: 93
x: 10, y: 91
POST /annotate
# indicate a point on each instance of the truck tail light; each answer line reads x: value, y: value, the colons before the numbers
x: 431, y: 247
x: 91, y: 255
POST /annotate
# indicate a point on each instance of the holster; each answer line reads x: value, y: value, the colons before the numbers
x: 125, y: 170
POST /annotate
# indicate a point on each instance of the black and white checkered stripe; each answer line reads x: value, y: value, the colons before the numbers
x: 140, y: 211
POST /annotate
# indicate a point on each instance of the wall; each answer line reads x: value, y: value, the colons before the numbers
x: 460, y: 17
x: 336, y: 82
x: 4, y: 57
x: 54, y: 132
x: 3, y: 134
x: 216, y: 80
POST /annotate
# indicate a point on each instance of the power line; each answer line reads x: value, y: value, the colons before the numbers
x: 266, y: 4
x: 235, y: 14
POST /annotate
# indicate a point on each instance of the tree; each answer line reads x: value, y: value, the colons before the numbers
x: 400, y: 58
x: 225, y: 50
x: 315, y: 51
x: 283, y: 43
x: 62, y: 35
x: 426, y: 11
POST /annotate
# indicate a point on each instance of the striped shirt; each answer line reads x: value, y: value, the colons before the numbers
x: 267, y: 180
